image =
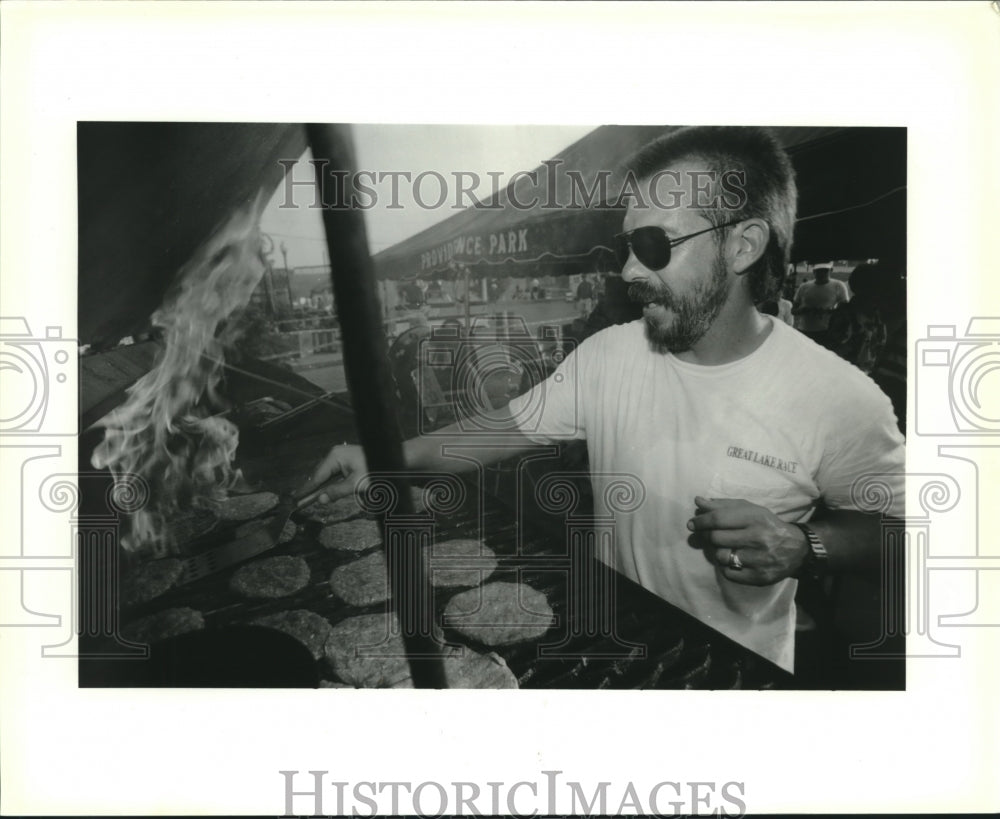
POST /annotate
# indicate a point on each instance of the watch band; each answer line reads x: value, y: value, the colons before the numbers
x: 817, y: 559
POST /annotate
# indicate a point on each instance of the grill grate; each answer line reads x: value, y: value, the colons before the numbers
x: 653, y: 644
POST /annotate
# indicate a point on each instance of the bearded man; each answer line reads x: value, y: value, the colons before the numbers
x: 746, y: 436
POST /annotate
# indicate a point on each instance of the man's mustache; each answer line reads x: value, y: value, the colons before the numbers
x: 644, y: 292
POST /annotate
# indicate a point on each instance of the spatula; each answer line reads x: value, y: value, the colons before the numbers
x: 241, y: 549
x: 251, y: 545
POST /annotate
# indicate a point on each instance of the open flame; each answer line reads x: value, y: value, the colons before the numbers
x: 169, y: 430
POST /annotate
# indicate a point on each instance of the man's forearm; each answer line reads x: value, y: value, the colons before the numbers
x: 852, y: 539
x: 468, y: 443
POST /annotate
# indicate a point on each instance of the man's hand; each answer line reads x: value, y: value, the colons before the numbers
x: 768, y: 548
x: 348, y: 462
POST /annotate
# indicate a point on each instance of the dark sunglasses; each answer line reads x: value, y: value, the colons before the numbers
x: 652, y: 246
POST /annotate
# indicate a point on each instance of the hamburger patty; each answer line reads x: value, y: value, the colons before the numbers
x: 389, y: 668
x: 499, y: 614
x: 246, y: 507
x: 271, y: 577
x: 163, y: 624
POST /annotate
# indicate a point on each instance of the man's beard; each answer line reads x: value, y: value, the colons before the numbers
x: 693, y: 315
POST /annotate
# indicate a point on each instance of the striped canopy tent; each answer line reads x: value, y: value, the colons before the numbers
x: 560, y: 220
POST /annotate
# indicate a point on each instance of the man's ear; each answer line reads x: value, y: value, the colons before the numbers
x: 748, y: 244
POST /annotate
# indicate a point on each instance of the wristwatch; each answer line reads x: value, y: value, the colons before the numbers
x: 817, y: 560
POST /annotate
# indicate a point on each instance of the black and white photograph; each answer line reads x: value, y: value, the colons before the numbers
x: 646, y: 398
x: 510, y: 408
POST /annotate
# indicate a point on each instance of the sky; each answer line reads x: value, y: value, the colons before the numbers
x: 491, y: 152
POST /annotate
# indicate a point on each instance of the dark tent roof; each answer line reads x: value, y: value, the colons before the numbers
x: 852, y: 196
x: 149, y: 193
x: 531, y: 227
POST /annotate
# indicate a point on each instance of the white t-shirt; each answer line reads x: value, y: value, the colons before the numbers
x: 783, y: 427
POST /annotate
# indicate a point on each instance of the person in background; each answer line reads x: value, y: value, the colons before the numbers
x: 815, y: 302
x: 856, y: 331
x: 414, y: 296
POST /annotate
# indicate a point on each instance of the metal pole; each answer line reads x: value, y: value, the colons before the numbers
x: 268, y: 247
x: 366, y: 364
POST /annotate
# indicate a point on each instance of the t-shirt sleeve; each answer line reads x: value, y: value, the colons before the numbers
x: 863, y: 466
x: 553, y: 409
x: 844, y: 296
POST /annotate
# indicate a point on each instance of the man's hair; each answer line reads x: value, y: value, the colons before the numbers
x: 769, y: 186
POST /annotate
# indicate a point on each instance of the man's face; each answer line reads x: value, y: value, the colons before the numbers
x: 822, y: 275
x: 680, y: 302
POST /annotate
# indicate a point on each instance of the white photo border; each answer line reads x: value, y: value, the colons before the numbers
x: 931, y: 67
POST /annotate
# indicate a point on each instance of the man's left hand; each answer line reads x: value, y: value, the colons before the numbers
x: 766, y: 548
